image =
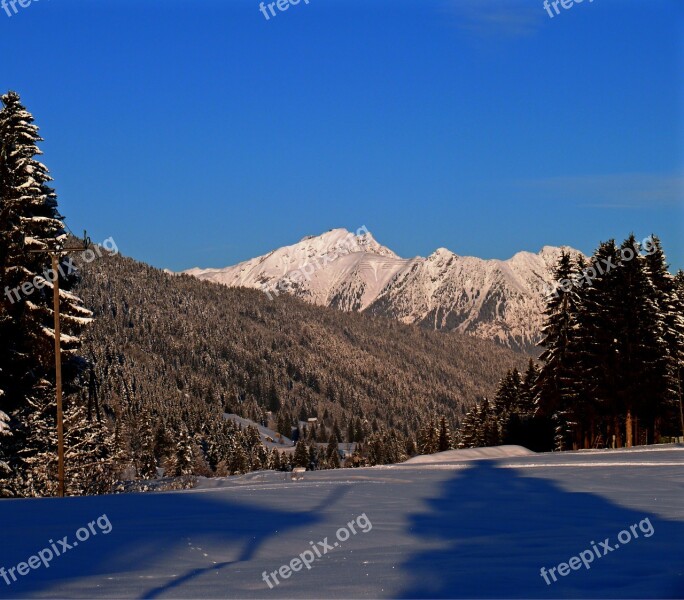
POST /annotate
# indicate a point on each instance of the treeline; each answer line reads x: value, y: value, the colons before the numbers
x: 151, y: 362
x: 612, y: 366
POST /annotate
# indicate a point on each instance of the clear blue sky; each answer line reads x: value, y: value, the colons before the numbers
x: 195, y: 132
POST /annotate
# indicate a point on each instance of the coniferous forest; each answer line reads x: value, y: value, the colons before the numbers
x: 152, y: 362
x: 612, y: 366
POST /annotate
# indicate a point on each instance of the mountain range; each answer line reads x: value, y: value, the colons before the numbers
x: 499, y: 300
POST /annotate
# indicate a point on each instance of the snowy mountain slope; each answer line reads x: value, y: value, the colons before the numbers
x: 491, y: 299
x: 269, y: 437
x: 445, y: 529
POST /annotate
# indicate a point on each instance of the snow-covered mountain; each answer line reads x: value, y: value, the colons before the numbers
x: 492, y: 299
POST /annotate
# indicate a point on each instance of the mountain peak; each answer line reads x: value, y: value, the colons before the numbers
x: 351, y: 271
x: 340, y: 241
x: 442, y: 253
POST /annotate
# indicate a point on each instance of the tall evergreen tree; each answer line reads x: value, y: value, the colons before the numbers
x: 555, y: 393
x: 645, y: 385
x: 332, y: 453
x: 301, y: 454
x: 29, y: 221
x: 670, y: 303
x: 5, y: 470
x: 525, y: 405
x: 444, y: 442
x: 146, y: 461
x: 428, y: 439
x: 184, y: 452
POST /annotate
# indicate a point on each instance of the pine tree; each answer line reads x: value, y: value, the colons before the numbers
x: 376, y: 450
x: 488, y: 434
x: 480, y: 427
x: 5, y: 471
x: 525, y: 405
x: 184, y: 452
x: 351, y: 433
x: 555, y: 392
x: 444, y: 436
x: 644, y: 385
x: 164, y: 446
x: 679, y: 288
x: 301, y: 454
x: 467, y: 433
x: 314, y: 458
x: 359, y: 431
x: 29, y: 220
x: 239, y: 461
x: 670, y: 303
x: 428, y: 439
x: 332, y: 453
x: 146, y: 461
x: 506, y: 403
x: 274, y: 463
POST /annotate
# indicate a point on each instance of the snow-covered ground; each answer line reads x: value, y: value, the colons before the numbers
x: 460, y: 524
x: 269, y: 437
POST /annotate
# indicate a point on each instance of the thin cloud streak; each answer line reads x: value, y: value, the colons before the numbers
x: 617, y: 191
x: 513, y: 18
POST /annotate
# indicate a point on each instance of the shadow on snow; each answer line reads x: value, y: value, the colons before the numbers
x: 494, y: 529
x: 148, y: 531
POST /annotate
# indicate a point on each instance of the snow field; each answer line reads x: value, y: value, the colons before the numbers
x: 476, y: 527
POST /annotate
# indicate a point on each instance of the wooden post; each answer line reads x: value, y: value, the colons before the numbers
x: 628, y: 429
x: 56, y: 250
x: 58, y: 378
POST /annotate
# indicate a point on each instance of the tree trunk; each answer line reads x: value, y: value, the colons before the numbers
x: 629, y: 428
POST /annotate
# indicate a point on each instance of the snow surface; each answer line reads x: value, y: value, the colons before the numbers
x: 451, y: 456
x: 448, y: 528
x: 264, y: 433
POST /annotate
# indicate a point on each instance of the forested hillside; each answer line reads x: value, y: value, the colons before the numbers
x: 184, y: 351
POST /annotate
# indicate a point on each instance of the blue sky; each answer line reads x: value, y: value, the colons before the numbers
x: 197, y: 133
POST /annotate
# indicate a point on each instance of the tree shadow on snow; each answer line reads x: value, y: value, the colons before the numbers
x: 496, y: 529
x: 148, y: 532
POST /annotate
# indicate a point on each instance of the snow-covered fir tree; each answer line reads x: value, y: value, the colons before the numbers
x: 444, y: 442
x: 184, y: 452
x: 5, y: 470
x: 301, y: 454
x: 670, y: 301
x: 555, y: 392
x: 29, y: 221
